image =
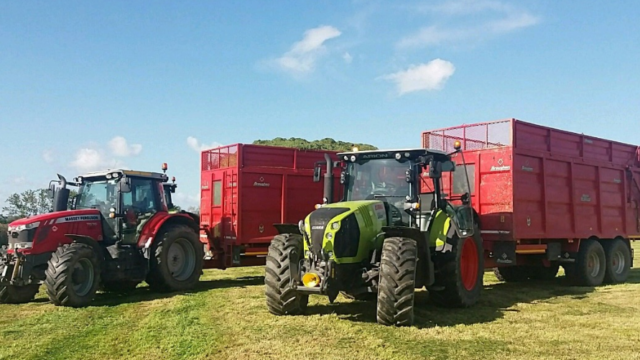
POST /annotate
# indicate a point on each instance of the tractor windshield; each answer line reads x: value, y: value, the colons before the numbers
x: 383, y: 178
x: 100, y: 194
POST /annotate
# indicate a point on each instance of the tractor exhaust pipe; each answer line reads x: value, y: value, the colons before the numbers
x: 328, y: 180
x: 61, y: 195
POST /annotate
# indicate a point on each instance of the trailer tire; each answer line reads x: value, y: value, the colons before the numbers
x: 590, y: 266
x: 12, y: 294
x: 544, y: 273
x: 515, y: 273
x: 460, y: 280
x: 396, y: 289
x: 618, y: 258
x: 177, y: 260
x: 281, y: 295
x: 66, y: 286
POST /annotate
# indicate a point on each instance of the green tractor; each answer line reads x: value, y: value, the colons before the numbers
x: 394, y: 231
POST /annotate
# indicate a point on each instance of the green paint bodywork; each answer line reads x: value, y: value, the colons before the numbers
x: 371, y: 217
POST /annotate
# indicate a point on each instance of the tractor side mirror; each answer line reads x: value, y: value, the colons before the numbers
x: 344, y: 177
x: 316, y: 174
x: 124, y: 185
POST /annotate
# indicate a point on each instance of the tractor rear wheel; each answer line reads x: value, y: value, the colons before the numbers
x: 282, y: 296
x: 73, y: 275
x: 459, y: 281
x: 11, y: 294
x: 396, y: 289
x: 590, y: 266
x: 176, y: 261
x: 618, y: 257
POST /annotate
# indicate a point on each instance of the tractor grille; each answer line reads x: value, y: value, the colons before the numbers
x: 347, y: 238
x: 318, y: 221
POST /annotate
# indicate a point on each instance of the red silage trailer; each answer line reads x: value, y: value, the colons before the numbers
x: 547, y: 197
x: 245, y: 190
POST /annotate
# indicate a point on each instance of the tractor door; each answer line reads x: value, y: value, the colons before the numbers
x: 461, y: 190
x: 138, y: 206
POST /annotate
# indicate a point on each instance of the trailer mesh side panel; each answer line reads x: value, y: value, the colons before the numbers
x: 473, y: 137
x: 220, y: 158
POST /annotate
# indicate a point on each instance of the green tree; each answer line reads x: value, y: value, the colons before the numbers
x: 29, y: 203
x: 322, y: 144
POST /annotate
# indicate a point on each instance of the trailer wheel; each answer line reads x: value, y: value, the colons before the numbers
x: 73, y: 275
x: 282, y: 296
x: 11, y: 294
x: 618, y: 258
x: 515, y: 273
x: 544, y: 273
x: 459, y: 281
x: 590, y: 266
x: 397, y: 281
x: 177, y: 261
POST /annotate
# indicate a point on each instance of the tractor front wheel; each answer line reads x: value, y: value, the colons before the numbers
x: 282, y: 296
x: 397, y: 282
x: 459, y: 280
x: 176, y: 260
x: 11, y: 294
x: 73, y: 275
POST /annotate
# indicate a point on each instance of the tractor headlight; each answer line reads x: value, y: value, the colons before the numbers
x: 329, y: 236
x: 335, y: 225
x: 311, y: 280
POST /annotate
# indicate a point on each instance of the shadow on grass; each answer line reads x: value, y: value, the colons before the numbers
x: 144, y: 293
x: 497, y: 299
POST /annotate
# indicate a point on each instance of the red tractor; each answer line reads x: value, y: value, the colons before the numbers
x: 118, y: 233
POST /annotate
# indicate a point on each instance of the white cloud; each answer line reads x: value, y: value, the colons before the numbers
x: 186, y: 200
x: 430, y: 76
x: 92, y: 159
x: 488, y: 18
x: 197, y: 146
x: 302, y: 56
x: 347, y: 58
x: 120, y: 147
x: 48, y: 156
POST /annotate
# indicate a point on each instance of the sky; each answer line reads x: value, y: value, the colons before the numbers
x: 94, y: 85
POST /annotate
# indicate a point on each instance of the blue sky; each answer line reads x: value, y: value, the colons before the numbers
x: 90, y: 85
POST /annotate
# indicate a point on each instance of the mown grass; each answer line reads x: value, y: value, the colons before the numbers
x: 226, y: 318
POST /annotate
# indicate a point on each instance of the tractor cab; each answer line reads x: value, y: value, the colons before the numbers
x: 126, y: 199
x: 409, y: 182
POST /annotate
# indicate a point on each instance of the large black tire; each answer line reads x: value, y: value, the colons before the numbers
x: 590, y: 266
x: 282, y: 297
x: 513, y: 273
x: 520, y: 273
x: 177, y: 260
x: 12, y: 294
x: 543, y: 273
x: 618, y: 258
x: 73, y: 275
x: 459, y: 281
x: 396, y: 288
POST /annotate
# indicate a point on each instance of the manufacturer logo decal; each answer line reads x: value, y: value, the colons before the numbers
x: 78, y: 218
x: 261, y: 183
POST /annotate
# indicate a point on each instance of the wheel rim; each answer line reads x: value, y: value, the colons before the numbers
x: 618, y: 262
x: 593, y: 264
x: 469, y: 264
x: 181, y: 259
x: 82, y: 277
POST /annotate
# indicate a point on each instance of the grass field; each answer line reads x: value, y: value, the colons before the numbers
x: 226, y: 318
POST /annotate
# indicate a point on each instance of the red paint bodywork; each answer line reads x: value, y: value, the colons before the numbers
x: 245, y: 189
x: 535, y: 184
x: 153, y: 225
x: 53, y: 227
